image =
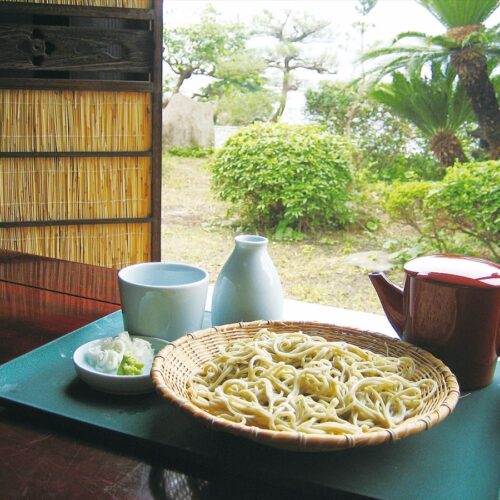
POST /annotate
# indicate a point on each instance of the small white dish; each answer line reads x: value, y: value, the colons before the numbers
x: 109, y: 382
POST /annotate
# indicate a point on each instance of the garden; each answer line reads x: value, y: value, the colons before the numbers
x: 398, y: 163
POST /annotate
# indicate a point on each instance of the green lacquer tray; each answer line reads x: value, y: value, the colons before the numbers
x: 456, y: 459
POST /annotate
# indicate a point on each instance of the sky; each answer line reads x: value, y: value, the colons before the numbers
x: 387, y: 19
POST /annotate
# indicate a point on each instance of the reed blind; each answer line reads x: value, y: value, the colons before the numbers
x: 132, y: 4
x: 80, y: 129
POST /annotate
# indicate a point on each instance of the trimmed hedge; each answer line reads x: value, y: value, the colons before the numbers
x: 294, y: 176
x: 466, y: 201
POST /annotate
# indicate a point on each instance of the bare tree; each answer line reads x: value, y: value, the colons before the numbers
x: 291, y: 31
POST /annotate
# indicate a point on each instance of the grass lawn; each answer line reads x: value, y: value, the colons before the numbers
x: 196, y: 230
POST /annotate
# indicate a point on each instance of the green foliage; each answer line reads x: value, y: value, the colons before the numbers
x: 289, y: 26
x: 365, y: 6
x: 244, y: 108
x: 466, y: 202
x: 452, y: 13
x: 410, y: 167
x: 437, y: 105
x: 335, y: 105
x: 431, y: 103
x: 285, y: 176
x: 284, y: 232
x: 413, y: 47
x: 366, y: 203
x: 467, y: 45
x: 199, y: 48
x: 287, y: 52
x: 406, y: 203
x: 386, y: 147
x: 194, y: 152
x: 240, y: 72
x: 218, y: 50
x: 202, y: 44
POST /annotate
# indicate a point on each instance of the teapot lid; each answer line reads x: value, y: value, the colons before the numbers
x: 456, y: 270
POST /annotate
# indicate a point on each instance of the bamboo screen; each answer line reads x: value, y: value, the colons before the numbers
x: 65, y: 120
x: 80, y: 162
x: 109, y: 245
x: 72, y: 188
x: 133, y: 4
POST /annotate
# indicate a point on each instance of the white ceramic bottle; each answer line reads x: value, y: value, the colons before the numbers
x: 248, y: 287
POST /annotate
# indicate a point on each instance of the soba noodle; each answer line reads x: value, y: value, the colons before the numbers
x: 297, y: 382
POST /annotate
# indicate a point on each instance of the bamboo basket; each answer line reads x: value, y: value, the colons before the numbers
x: 108, y: 245
x: 174, y: 366
x: 73, y: 188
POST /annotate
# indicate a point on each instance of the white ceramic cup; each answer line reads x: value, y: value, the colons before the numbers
x: 161, y: 299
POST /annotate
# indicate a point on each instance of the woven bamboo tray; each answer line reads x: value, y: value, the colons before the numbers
x: 174, y: 366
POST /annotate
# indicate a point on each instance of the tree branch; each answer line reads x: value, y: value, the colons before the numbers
x: 310, y: 65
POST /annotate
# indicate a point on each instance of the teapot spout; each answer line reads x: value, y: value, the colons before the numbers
x: 391, y: 298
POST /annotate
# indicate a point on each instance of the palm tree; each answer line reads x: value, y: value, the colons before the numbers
x: 436, y: 105
x: 467, y: 45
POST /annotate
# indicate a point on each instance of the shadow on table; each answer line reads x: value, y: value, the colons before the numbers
x: 173, y: 485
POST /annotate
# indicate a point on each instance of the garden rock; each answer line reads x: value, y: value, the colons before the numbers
x: 373, y: 260
x: 187, y: 123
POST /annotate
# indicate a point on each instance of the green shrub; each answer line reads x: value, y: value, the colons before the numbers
x: 386, y: 147
x: 408, y: 167
x: 367, y: 202
x: 468, y: 200
x: 465, y: 204
x: 194, y: 152
x: 294, y: 176
x: 406, y: 203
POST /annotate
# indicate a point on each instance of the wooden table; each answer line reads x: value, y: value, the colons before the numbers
x: 42, y: 299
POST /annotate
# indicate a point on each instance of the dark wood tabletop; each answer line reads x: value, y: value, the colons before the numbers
x: 42, y: 299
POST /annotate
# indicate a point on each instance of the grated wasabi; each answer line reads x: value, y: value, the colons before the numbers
x: 130, y: 366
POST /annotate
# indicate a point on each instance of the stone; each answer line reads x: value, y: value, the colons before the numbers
x: 187, y: 123
x: 223, y: 133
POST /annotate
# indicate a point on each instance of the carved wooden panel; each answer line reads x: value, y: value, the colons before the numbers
x: 35, y: 47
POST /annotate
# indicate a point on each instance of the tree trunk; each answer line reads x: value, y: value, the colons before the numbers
x: 180, y: 80
x: 447, y: 148
x: 285, y: 87
x: 472, y: 70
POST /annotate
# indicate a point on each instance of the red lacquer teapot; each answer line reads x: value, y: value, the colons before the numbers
x: 450, y: 306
